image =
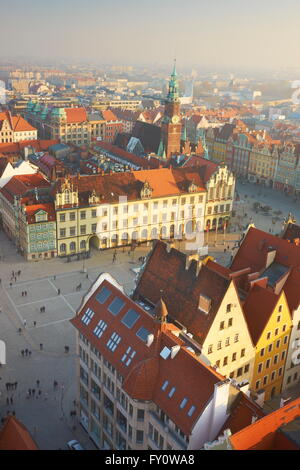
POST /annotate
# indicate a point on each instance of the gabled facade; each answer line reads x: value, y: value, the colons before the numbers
x: 15, y: 129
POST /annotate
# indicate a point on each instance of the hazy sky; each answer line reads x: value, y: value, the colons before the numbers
x: 260, y: 33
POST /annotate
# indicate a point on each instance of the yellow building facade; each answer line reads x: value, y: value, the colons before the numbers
x: 271, y: 351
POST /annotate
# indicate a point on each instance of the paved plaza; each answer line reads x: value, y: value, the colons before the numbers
x: 52, y: 284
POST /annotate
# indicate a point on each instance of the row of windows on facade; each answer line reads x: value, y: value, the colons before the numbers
x: 266, y: 378
x: 135, y: 207
x: 268, y: 362
x: 122, y: 421
x: 219, y: 344
x: 216, y: 193
x: 234, y: 358
x: 218, y: 209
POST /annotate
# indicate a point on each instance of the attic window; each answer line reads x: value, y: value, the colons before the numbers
x: 165, y: 353
x: 191, y: 410
x: 204, y: 303
x: 172, y: 391
x: 183, y: 403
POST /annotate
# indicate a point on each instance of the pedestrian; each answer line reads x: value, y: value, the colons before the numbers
x: 16, y: 384
x: 25, y: 293
x: 15, y: 279
x: 41, y: 309
x: 34, y: 323
x: 26, y: 352
x: 24, y: 323
x: 22, y: 294
x: 29, y: 353
x: 54, y: 384
x: 40, y: 392
x: 7, y: 401
x: 37, y: 383
x: 10, y: 284
x: 114, y: 257
x: 11, y: 400
x: 41, y: 346
x: 19, y: 273
x: 29, y: 391
x: 13, y: 274
x: 33, y: 392
x: 58, y: 291
x: 22, y: 352
x: 6, y: 385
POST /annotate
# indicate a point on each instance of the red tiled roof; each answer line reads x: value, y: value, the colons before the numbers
x: 14, y: 436
x: 76, y: 115
x: 18, y: 185
x: 17, y: 123
x: 31, y: 210
x: 108, y: 115
x: 182, y: 288
x: 16, y: 147
x: 265, y: 433
x: 147, y: 372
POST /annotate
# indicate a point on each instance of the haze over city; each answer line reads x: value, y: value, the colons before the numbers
x: 232, y: 33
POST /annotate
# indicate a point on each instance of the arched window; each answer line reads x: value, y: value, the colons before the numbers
x: 63, y: 247
x: 144, y: 234
x: 72, y: 246
x: 67, y: 196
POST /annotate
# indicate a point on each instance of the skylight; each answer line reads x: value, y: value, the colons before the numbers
x: 130, y: 318
x: 116, y: 306
x: 86, y: 318
x: 164, y: 385
x: 143, y: 333
x: 172, y: 391
x: 191, y: 410
x: 100, y: 328
x: 128, y: 356
x: 103, y: 295
x: 183, y: 403
x: 113, y: 342
x: 165, y: 353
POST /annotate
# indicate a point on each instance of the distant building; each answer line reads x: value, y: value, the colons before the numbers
x: 15, y: 128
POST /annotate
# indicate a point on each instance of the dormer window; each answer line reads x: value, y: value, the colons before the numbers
x: 146, y: 190
x: 192, y: 187
x: 67, y: 196
x: 204, y: 303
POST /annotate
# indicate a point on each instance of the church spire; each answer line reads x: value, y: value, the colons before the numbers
x: 173, y: 94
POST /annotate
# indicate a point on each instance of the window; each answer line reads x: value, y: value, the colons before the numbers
x: 218, y: 364
x: 262, y: 351
x: 128, y: 356
x: 240, y: 372
x: 103, y: 295
x: 227, y: 342
x: 94, y: 213
x: 222, y: 325
x: 140, y: 415
x: 278, y: 343
x: 246, y: 369
x: 62, y: 217
x: 139, y: 437
x: 268, y: 335
x: 257, y: 384
x: 165, y: 384
x: 278, y: 318
x: 268, y: 363
x: 94, y: 228
x: 210, y: 349
x: 285, y: 339
x: 83, y: 215
x: 280, y: 309
x: 230, y: 322
x: 225, y: 361
x: 298, y: 327
x: 280, y: 371
x: 116, y: 306
x: 243, y: 351
x: 260, y: 366
x: 191, y: 410
x: 283, y: 355
x: 172, y: 391
x: 143, y: 333
x: 219, y: 346
x: 62, y: 232
x: 236, y: 338
x: 273, y: 375
x: 234, y: 357
x: 72, y: 231
x: 265, y: 380
x: 183, y: 403
x: 113, y: 342
x: 82, y: 229
x: 284, y: 328
x: 86, y: 318
x: 100, y: 328
x: 276, y: 359
x: 72, y: 215
x: 270, y: 347
x: 276, y: 332
x: 130, y: 318
x: 228, y: 308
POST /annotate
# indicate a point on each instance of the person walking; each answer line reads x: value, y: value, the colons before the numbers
x: 29, y: 353
x: 7, y: 401
x: 24, y: 323
x: 58, y: 291
x: 41, y: 346
x: 37, y: 383
x: 34, y: 323
x: 33, y: 392
x: 11, y: 400
x: 26, y: 352
x: 22, y: 352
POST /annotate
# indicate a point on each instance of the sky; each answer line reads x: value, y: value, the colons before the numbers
x: 211, y: 33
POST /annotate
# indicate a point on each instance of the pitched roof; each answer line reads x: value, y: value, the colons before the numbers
x: 127, y: 156
x: 166, y: 271
x: 108, y: 115
x: 32, y: 209
x: 149, y: 135
x: 17, y: 123
x: 14, y: 436
x: 291, y: 232
x: 19, y: 185
x: 268, y: 433
x: 76, y: 115
x: 145, y: 368
x: 16, y: 147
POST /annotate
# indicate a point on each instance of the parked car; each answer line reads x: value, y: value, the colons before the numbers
x: 74, y: 445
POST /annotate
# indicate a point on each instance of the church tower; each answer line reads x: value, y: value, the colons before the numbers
x: 171, y: 123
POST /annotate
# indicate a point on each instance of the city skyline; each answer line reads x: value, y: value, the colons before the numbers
x: 216, y: 34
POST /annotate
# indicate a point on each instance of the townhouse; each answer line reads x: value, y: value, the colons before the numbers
x: 15, y: 128
x: 130, y: 392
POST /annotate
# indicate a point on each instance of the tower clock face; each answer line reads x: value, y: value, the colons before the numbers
x: 175, y: 119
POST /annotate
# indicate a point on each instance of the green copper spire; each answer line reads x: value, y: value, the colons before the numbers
x: 173, y: 94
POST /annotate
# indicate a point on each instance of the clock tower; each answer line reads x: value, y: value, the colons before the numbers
x: 171, y: 122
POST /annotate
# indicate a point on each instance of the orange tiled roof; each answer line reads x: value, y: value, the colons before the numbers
x: 266, y: 433
x: 16, y: 147
x: 145, y: 374
x: 19, y: 185
x: 32, y: 209
x: 17, y: 123
x: 14, y: 436
x: 108, y: 115
x: 76, y: 115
